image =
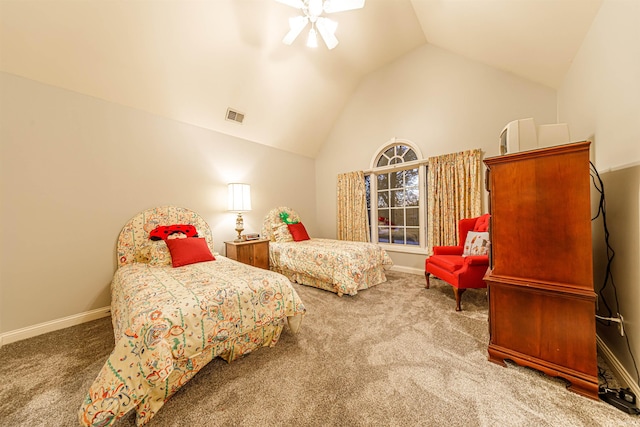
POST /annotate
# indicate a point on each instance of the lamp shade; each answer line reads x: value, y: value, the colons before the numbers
x: 239, y: 197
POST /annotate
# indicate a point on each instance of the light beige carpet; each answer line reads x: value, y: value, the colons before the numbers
x: 394, y: 355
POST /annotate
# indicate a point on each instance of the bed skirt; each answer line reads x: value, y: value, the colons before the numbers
x: 369, y: 278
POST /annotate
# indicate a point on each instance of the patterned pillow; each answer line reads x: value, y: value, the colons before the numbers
x: 164, y: 232
x: 281, y: 233
x: 477, y: 243
x: 154, y: 253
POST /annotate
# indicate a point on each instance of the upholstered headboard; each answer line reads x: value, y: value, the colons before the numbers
x: 135, y: 234
x: 272, y: 220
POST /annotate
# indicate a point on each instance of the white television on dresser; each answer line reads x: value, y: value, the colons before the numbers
x: 523, y: 134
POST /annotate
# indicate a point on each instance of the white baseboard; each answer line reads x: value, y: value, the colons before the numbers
x: 618, y: 370
x: 53, y: 325
x: 409, y: 270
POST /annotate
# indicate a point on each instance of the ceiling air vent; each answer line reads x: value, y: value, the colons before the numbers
x: 234, y: 116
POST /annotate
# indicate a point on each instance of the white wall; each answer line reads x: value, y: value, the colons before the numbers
x: 600, y: 99
x: 434, y: 98
x: 74, y: 169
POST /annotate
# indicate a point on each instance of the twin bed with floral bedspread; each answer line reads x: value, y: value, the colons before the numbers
x: 169, y: 322
x: 338, y: 266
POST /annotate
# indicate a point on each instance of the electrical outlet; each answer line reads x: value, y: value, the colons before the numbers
x: 619, y: 320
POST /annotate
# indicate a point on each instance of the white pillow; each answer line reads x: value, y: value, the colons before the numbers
x: 281, y: 233
x: 477, y: 243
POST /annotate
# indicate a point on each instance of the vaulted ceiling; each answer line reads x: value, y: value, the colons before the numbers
x: 191, y: 60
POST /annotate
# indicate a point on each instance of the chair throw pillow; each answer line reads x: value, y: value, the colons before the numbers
x: 477, y: 243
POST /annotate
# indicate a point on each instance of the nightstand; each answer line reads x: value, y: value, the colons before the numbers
x: 252, y: 252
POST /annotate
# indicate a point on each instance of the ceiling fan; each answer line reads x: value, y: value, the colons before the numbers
x: 312, y: 12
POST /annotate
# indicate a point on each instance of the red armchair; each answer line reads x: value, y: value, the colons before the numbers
x: 449, y: 264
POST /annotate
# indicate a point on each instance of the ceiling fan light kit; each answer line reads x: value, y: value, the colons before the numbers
x: 312, y: 40
x: 312, y: 12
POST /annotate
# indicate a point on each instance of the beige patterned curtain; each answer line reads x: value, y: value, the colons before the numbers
x: 455, y: 192
x: 353, y: 222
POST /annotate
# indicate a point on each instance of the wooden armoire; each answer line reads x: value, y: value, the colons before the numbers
x: 540, y: 283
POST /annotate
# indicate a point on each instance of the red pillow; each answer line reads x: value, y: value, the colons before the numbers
x: 298, y: 232
x: 189, y: 251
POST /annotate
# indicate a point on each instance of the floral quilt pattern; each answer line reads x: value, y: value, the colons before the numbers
x: 339, y: 266
x: 343, y: 267
x: 170, y: 322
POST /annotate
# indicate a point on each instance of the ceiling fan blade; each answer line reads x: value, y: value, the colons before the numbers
x: 296, y: 24
x: 327, y: 29
x: 331, y: 6
x: 298, y: 4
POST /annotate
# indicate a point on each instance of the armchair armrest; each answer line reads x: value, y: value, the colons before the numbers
x: 476, y: 260
x: 447, y: 250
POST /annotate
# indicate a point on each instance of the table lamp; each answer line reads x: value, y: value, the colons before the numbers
x: 239, y: 201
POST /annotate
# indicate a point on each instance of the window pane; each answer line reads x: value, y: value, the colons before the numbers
x: 397, y: 235
x: 396, y: 179
x: 397, y: 198
x: 411, y: 177
x: 390, y: 152
x: 383, y: 234
x: 397, y: 217
x: 383, y: 199
x: 382, y: 161
x: 367, y: 188
x: 383, y: 181
x: 401, y: 149
x: 412, y: 196
x: 396, y: 160
x: 412, y: 216
x: 383, y: 217
x: 413, y: 236
x: 410, y: 156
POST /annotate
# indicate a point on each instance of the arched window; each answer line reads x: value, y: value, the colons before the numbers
x: 398, y: 153
x: 396, y: 196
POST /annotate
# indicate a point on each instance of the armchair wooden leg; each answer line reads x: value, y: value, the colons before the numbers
x: 426, y: 276
x: 458, y: 293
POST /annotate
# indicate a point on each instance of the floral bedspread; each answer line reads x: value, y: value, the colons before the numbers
x: 170, y: 322
x: 343, y: 267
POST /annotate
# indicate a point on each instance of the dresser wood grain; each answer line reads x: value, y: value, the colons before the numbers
x: 540, y: 278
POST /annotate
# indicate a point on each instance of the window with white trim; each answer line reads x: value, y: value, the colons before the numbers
x: 396, y: 197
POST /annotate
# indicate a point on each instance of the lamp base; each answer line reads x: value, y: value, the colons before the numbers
x: 239, y: 227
